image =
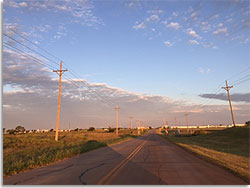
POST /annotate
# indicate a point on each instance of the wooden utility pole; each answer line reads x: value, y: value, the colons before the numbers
x: 131, y: 120
x: 186, y: 114
x: 227, y: 88
x: 164, y: 121
x: 117, y: 110
x: 59, y: 72
x: 175, y: 121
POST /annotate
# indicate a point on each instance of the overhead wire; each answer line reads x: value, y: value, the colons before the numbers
x: 70, y: 71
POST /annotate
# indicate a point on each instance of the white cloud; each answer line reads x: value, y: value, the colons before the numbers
x: 195, y: 42
x: 168, y: 44
x: 154, y: 17
x: 215, y: 16
x: 165, y: 22
x: 220, y: 31
x: 175, y: 14
x: 205, y: 27
x: 156, y: 11
x: 192, y: 33
x: 204, y: 70
x: 23, y: 4
x: 220, y: 25
x: 139, y: 26
x: 229, y: 20
x: 174, y: 25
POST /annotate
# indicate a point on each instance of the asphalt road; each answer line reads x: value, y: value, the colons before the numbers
x: 148, y: 160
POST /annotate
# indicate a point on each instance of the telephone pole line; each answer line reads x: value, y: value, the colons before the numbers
x: 227, y: 88
x: 131, y: 119
x: 59, y: 72
x: 117, y: 110
x: 186, y: 114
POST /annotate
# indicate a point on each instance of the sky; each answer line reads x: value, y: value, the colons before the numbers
x: 155, y: 59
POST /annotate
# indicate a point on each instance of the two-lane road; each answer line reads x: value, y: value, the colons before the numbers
x: 147, y: 160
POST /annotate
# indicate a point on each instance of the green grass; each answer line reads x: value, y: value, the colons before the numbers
x: 25, y: 151
x: 228, y: 147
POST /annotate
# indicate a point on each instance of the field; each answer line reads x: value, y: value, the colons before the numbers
x: 228, y: 148
x: 26, y: 151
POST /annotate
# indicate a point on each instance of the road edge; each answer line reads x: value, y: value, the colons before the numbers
x: 207, y: 159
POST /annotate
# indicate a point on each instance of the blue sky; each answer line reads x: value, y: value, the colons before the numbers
x: 173, y: 49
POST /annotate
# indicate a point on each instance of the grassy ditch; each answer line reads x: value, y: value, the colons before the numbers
x: 26, y: 151
x: 229, y: 148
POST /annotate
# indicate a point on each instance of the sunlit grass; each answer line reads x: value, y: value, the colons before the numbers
x: 24, y: 151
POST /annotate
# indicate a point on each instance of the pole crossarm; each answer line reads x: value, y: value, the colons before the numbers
x: 60, y: 71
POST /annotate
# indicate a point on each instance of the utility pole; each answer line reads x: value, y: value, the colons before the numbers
x: 131, y: 119
x: 164, y: 121
x: 175, y: 121
x: 227, y: 88
x: 186, y: 114
x: 59, y: 72
x: 117, y: 110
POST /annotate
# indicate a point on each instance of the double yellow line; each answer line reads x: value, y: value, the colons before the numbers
x: 113, y: 173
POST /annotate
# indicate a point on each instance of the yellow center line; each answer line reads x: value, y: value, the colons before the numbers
x: 110, y: 176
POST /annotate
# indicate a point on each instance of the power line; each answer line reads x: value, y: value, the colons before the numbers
x: 35, y: 44
x: 243, y: 78
x: 51, y: 66
x: 31, y: 49
x: 27, y: 55
x: 241, y: 82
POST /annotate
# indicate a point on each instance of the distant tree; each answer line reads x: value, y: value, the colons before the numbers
x: 3, y: 130
x: 150, y: 127
x: 20, y: 129
x: 11, y: 131
x: 91, y: 129
x: 76, y: 129
x: 111, y: 129
x: 51, y: 130
x: 247, y: 123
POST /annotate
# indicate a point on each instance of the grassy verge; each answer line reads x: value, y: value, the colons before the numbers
x: 26, y: 151
x: 228, y: 148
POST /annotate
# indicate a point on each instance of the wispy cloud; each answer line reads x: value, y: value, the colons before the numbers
x: 168, y: 43
x: 204, y: 70
x: 81, y: 10
x: 138, y: 26
x: 193, y: 42
x: 220, y: 31
x: 174, y: 25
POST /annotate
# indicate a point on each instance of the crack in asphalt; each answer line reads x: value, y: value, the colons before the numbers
x: 43, y: 174
x: 159, y: 175
x: 102, y: 163
x: 80, y: 177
